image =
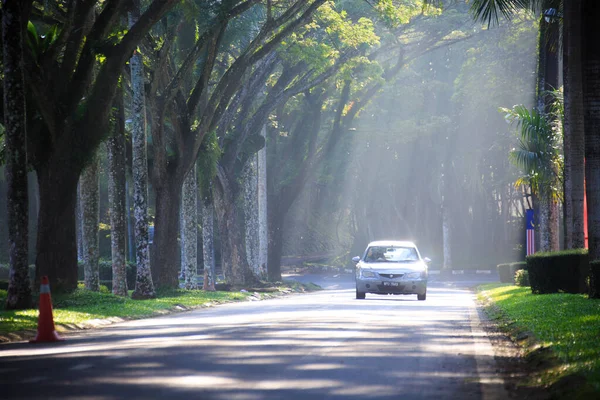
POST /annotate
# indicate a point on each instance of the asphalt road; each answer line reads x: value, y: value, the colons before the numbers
x: 324, y: 345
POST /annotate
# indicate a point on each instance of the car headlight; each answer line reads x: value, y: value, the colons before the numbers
x: 368, y: 274
x: 414, y: 275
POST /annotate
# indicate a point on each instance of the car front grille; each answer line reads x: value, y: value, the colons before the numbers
x: 390, y: 289
x: 392, y: 276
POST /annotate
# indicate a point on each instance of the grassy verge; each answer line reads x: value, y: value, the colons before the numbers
x: 561, y: 333
x: 83, y: 308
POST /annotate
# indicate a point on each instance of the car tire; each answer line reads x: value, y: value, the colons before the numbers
x: 360, y: 295
x: 422, y: 297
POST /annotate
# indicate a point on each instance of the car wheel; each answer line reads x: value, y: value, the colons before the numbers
x: 422, y: 296
x: 360, y: 295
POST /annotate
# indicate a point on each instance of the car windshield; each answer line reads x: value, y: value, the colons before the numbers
x: 391, y: 254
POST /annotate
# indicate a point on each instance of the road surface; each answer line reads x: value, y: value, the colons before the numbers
x: 324, y: 345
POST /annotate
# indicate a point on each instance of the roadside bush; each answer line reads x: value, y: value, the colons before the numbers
x: 522, y: 278
x: 595, y: 279
x: 517, y: 266
x: 105, y: 286
x: 563, y: 271
x: 504, y: 273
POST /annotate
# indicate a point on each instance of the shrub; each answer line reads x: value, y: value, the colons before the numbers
x: 553, y: 272
x: 517, y: 266
x: 504, y: 273
x: 522, y: 278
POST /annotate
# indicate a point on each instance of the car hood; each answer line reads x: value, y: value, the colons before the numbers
x: 391, y: 266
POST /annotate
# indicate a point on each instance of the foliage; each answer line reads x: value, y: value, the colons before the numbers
x: 522, y: 278
x: 595, y: 279
x: 567, y: 324
x: 207, y: 162
x: 551, y: 272
x: 331, y: 33
x: 394, y: 14
x: 504, y: 272
x: 538, y: 154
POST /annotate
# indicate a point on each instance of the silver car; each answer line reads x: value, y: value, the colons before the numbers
x: 391, y: 267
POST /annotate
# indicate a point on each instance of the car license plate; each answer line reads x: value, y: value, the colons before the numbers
x: 391, y: 284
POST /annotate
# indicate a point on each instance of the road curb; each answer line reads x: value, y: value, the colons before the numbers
x: 492, y: 383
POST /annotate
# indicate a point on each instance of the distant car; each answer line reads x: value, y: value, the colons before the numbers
x: 391, y: 267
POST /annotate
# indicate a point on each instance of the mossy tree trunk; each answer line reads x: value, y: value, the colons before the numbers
x: 72, y: 118
x: 144, y: 287
x: 189, y: 232
x: 19, y: 286
x: 89, y: 194
x: 208, y: 243
x: 116, y: 197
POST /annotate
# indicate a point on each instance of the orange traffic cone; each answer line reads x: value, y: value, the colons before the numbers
x: 46, y: 331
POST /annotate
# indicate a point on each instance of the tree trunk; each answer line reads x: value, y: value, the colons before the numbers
x: 189, y: 233
x: 263, y: 225
x: 78, y: 226
x: 447, y: 265
x: 130, y: 223
x: 554, y: 225
x: 88, y: 189
x: 56, y: 239
x: 233, y: 255
x: 19, y: 285
x: 144, y: 287
x: 544, y: 221
x: 117, y: 197
x: 250, y: 189
x: 166, y: 252
x: 574, y: 126
x: 446, y: 230
x: 275, y: 245
x: 208, y: 245
x: 591, y: 102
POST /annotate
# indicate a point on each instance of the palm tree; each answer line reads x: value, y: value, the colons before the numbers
x: 591, y: 105
x: 538, y: 156
x: 574, y: 139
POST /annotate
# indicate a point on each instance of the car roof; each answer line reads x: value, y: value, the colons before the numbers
x: 392, y: 243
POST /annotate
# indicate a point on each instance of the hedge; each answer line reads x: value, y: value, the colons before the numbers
x: 506, y: 271
x: 595, y: 279
x: 522, y: 278
x: 563, y: 271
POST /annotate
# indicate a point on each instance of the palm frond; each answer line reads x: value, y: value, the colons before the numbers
x: 538, y: 152
x: 489, y: 11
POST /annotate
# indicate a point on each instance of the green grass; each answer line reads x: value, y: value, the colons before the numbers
x: 567, y: 324
x: 81, y: 306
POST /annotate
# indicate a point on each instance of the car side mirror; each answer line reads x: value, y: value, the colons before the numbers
x: 356, y: 259
x: 427, y: 260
